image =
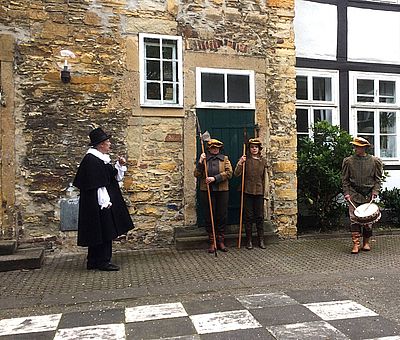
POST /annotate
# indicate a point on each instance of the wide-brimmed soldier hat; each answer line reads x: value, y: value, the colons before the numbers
x: 255, y: 141
x: 215, y: 143
x: 359, y: 141
x: 97, y: 136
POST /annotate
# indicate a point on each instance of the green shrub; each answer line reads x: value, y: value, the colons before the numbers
x: 320, y: 171
x: 390, y: 200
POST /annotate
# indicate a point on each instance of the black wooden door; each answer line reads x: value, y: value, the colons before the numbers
x: 228, y: 126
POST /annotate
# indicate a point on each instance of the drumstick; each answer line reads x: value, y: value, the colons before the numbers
x: 366, y: 208
x: 352, y: 204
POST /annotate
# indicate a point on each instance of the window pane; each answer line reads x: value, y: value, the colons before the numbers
x: 387, y: 91
x: 323, y: 114
x: 301, y: 88
x: 365, y: 90
x: 168, y: 93
x: 238, y: 88
x: 167, y: 71
x: 212, y: 88
x: 152, y: 70
x: 168, y: 49
x: 300, y: 138
x: 388, y: 146
x: 371, y: 139
x: 153, y: 91
x: 302, y: 120
x: 387, y: 122
x: 152, y: 48
x: 322, y: 88
x: 365, y: 121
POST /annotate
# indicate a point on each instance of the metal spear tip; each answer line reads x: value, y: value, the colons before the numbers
x: 206, y: 136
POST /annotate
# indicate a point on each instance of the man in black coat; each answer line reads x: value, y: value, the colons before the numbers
x: 103, y: 214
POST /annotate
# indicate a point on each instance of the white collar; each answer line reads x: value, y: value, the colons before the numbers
x: 104, y: 157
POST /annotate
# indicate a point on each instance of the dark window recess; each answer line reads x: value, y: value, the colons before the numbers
x: 152, y: 48
x: 212, y: 88
x: 238, y: 89
x: 153, y: 70
x: 302, y: 120
x: 301, y: 88
x: 153, y: 91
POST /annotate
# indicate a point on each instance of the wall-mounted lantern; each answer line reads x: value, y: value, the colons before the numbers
x: 66, y: 72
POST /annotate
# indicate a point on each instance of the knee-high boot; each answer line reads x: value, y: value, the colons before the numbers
x: 355, y: 236
x: 220, y: 242
x: 211, y: 248
x: 260, y: 234
x: 249, y: 243
x: 366, y: 245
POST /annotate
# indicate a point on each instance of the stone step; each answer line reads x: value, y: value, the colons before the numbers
x: 197, y: 238
x: 31, y: 258
x: 8, y: 247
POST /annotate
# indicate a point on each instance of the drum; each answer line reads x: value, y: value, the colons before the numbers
x: 367, y: 213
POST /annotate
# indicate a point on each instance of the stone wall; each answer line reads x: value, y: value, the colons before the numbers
x: 53, y: 119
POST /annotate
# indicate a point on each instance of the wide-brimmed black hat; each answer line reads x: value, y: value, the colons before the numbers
x: 97, y: 136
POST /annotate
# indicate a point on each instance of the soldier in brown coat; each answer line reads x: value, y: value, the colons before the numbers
x: 219, y: 172
x: 253, y: 200
x: 361, y: 180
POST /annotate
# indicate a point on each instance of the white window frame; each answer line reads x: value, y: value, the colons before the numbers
x: 142, y: 72
x: 311, y: 104
x: 375, y: 107
x: 225, y: 72
x: 385, y: 1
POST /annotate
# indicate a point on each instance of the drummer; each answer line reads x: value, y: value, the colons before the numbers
x: 361, y: 180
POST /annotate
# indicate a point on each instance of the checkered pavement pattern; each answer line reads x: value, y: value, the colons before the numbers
x: 290, y: 315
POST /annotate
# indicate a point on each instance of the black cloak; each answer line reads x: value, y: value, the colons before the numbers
x: 96, y: 225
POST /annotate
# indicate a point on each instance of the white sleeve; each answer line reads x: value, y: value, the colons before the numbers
x: 103, y: 198
x: 121, y: 171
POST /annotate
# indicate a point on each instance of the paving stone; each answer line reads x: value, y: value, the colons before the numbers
x: 156, y: 329
x: 368, y: 327
x: 266, y: 300
x: 91, y: 318
x: 314, y: 330
x: 284, y: 315
x: 209, y: 306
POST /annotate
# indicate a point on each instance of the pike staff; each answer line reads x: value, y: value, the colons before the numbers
x: 202, y: 139
x: 242, y: 191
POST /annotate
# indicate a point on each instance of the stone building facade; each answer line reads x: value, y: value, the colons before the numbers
x: 45, y: 122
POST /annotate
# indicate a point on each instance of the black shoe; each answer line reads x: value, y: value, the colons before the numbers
x: 109, y: 267
x: 249, y: 244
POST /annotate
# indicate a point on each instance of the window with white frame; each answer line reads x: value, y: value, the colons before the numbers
x: 375, y: 112
x: 316, y: 99
x: 223, y: 88
x: 160, y: 62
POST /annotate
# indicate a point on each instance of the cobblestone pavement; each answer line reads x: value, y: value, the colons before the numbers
x: 162, y: 275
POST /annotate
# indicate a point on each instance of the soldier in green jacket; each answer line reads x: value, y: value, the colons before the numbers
x: 361, y: 180
x: 253, y: 200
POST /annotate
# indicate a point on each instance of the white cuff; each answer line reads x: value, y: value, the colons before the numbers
x: 121, y: 171
x: 103, y: 198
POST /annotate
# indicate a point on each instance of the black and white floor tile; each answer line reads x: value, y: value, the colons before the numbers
x: 290, y: 315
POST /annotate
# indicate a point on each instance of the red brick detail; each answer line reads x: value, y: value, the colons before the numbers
x: 173, y: 137
x: 214, y: 45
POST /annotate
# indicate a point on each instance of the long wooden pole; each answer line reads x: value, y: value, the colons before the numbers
x: 208, y: 189
x: 242, y: 198
x: 209, y: 200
